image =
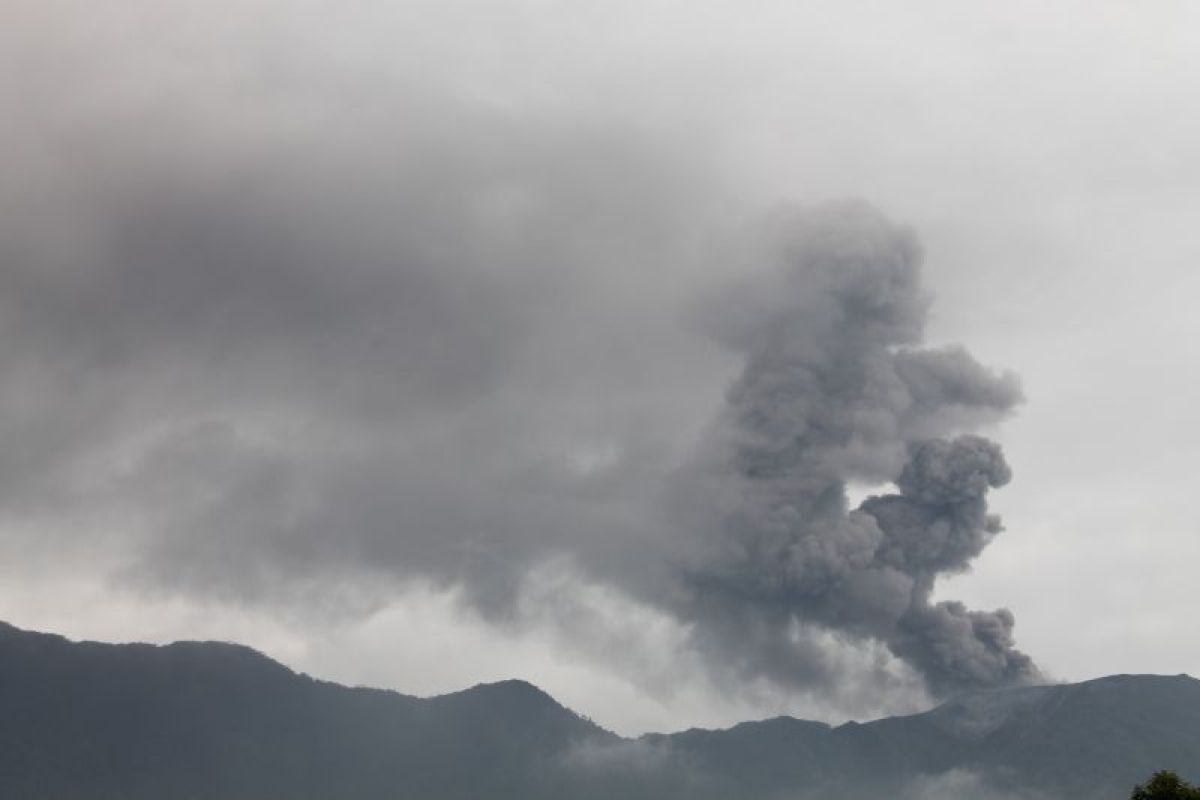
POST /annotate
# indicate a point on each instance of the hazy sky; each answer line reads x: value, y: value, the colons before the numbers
x: 373, y: 335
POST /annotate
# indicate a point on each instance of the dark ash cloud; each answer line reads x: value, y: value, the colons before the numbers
x: 265, y: 337
x: 835, y: 390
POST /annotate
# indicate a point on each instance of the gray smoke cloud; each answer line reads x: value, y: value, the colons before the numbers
x: 835, y: 389
x: 279, y: 327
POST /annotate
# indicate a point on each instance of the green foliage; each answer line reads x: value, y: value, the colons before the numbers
x: 1165, y: 786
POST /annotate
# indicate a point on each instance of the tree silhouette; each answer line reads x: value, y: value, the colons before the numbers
x: 1165, y: 786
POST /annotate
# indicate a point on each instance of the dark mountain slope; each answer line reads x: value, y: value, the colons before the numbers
x: 209, y: 721
x: 1090, y: 740
x: 1077, y: 739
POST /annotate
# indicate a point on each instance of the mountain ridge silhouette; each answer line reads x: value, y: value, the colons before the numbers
x: 216, y: 721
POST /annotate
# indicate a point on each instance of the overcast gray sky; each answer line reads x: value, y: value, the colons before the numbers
x: 386, y: 338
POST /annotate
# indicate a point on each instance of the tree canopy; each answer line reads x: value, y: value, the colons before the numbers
x: 1165, y: 786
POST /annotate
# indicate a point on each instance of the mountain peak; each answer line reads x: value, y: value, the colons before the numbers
x: 515, y: 686
x: 512, y: 692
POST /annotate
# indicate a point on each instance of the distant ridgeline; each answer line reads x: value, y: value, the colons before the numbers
x: 208, y: 720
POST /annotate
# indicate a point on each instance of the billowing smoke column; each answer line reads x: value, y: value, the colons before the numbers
x: 836, y: 389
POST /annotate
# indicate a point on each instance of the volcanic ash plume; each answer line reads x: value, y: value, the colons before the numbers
x: 835, y: 389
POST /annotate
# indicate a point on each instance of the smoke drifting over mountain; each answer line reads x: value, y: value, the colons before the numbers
x: 281, y: 329
x: 835, y: 390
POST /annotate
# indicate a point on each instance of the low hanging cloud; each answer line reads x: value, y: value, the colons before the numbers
x: 262, y: 344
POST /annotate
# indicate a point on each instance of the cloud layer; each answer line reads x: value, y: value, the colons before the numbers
x: 283, y: 332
